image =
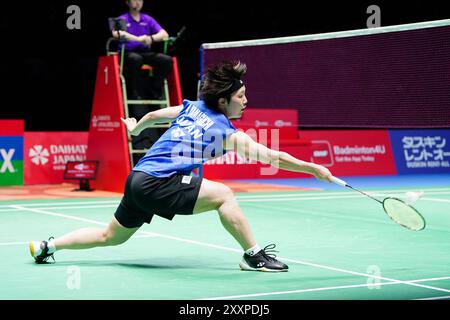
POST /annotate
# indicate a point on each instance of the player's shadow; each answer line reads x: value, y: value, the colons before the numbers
x: 145, y: 264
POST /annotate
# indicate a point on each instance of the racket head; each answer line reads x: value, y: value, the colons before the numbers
x: 403, y: 214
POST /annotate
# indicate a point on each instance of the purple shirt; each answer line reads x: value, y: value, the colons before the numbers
x: 145, y: 26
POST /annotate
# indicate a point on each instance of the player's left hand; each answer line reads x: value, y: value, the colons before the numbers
x: 130, y: 123
x: 321, y: 173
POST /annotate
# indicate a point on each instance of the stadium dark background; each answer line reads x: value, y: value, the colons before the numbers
x: 49, y: 71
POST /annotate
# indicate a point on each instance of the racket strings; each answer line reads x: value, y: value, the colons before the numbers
x: 403, y: 214
x: 399, y: 210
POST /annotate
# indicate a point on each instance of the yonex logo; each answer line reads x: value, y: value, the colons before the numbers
x: 39, y: 155
x: 260, y: 264
x: 7, y: 156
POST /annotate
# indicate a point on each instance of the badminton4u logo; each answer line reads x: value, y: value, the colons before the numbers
x: 39, y: 155
x: 321, y: 153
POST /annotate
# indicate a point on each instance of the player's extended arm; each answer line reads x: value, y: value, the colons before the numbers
x: 246, y: 147
x: 159, y: 116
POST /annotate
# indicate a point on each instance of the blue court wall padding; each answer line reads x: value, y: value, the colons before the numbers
x: 11, y: 152
x: 421, y: 151
x: 16, y: 143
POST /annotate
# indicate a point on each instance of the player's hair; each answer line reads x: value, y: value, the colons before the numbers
x: 219, y: 80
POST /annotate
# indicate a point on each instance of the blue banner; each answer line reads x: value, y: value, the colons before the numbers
x: 11, y: 147
x: 421, y: 151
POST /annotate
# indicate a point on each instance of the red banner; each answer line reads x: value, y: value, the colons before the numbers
x: 11, y: 127
x: 283, y: 119
x: 345, y: 152
x: 46, y: 155
x: 275, y: 128
x: 352, y: 152
x: 81, y: 170
x: 107, y: 136
x: 233, y: 166
x: 173, y: 80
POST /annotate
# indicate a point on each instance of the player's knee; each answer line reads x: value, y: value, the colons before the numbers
x: 104, y: 238
x: 109, y: 239
x: 227, y: 194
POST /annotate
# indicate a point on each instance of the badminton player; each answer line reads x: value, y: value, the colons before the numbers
x: 160, y: 183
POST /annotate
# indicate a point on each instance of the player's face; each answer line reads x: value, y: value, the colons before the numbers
x: 237, y: 104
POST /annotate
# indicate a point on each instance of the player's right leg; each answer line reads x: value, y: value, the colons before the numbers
x: 217, y: 196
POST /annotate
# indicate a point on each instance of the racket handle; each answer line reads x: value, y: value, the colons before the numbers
x: 339, y: 181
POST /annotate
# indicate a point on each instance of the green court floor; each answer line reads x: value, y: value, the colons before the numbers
x: 338, y: 245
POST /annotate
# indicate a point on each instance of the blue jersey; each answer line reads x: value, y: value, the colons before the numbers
x: 195, y: 136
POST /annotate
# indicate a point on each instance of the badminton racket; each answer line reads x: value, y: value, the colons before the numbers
x: 398, y: 210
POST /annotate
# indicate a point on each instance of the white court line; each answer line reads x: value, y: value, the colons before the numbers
x: 61, y: 203
x: 143, y: 236
x: 435, y: 199
x: 59, y: 215
x: 139, y: 231
x: 262, y: 294
x: 239, y: 251
x: 263, y: 196
x: 76, y: 207
x: 240, y: 199
x: 27, y: 242
x: 291, y: 291
x: 435, y: 298
x: 344, y: 195
x: 266, y: 199
x: 13, y: 243
x: 343, y: 192
x: 259, y: 199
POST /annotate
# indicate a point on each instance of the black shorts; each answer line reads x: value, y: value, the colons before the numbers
x: 146, y: 196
